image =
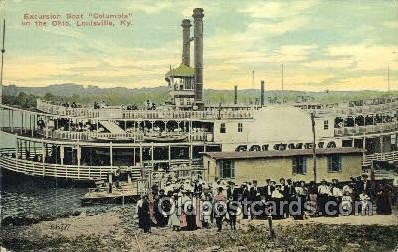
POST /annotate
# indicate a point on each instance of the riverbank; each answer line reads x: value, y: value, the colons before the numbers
x: 117, y: 230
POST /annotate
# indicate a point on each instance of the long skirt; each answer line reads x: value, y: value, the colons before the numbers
x: 146, y: 222
x: 198, y: 207
x: 312, y: 204
x: 191, y: 222
x: 298, y: 210
x: 174, y: 221
x: 183, y: 220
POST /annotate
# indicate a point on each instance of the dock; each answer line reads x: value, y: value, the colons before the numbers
x: 121, y: 194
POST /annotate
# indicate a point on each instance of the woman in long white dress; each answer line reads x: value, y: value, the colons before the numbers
x: 174, y: 221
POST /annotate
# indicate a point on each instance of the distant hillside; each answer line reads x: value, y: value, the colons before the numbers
x: 159, y: 95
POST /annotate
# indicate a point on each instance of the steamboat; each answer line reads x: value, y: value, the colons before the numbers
x: 87, y: 143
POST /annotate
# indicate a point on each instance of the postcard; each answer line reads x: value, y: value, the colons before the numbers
x: 226, y: 125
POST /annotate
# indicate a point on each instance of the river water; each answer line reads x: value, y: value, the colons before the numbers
x: 24, y: 196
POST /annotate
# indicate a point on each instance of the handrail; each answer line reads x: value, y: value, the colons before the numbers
x: 119, y: 113
x: 40, y: 168
x: 360, y: 130
x: 387, y: 156
x: 345, y: 109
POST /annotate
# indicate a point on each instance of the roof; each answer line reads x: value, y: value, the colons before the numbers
x: 181, y: 71
x: 285, y: 153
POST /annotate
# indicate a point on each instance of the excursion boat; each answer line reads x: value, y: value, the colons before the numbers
x: 88, y: 143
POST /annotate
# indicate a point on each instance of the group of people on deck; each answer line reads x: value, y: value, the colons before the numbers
x: 188, y: 205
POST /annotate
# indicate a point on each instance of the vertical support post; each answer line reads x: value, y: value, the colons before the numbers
x: 190, y: 147
x: 62, y: 153
x: 17, y: 149
x: 110, y: 154
x: 236, y: 94
x: 262, y: 94
x: 134, y: 156
x: 169, y: 155
x: 34, y: 124
x: 152, y: 155
x: 141, y: 156
x: 314, y: 145
x: 31, y: 125
x: 190, y: 130
x: 44, y: 152
x: 12, y: 121
x: 169, y: 149
x: 21, y: 122
x: 24, y: 147
x: 78, y: 156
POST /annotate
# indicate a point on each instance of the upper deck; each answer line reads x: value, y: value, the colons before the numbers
x: 360, y: 107
x: 158, y: 114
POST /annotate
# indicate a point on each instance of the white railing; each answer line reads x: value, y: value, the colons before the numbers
x: 134, y: 136
x: 211, y: 114
x: 118, y: 113
x: 365, y: 109
x: 369, y: 129
x: 387, y: 156
x: 67, y: 111
x: 77, y: 172
x: 91, y: 135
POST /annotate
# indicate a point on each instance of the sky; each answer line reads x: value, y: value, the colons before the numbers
x: 324, y: 45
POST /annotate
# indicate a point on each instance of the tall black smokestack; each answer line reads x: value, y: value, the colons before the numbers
x: 186, y: 42
x: 236, y: 95
x: 262, y: 94
x: 198, y: 46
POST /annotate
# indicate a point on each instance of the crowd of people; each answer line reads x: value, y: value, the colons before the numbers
x: 188, y: 205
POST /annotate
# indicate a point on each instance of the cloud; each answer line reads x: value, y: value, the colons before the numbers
x: 367, y: 57
x: 368, y: 82
x: 331, y: 63
x: 391, y: 24
x: 283, y: 54
x: 150, y: 8
x: 321, y: 49
x: 280, y: 9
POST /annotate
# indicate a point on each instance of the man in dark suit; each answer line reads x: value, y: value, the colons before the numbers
x: 254, y: 197
x: 365, y: 186
x: 245, y: 201
x: 268, y: 189
x: 285, y: 199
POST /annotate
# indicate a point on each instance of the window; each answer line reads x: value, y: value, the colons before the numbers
x: 325, y: 125
x: 240, y: 127
x: 222, y: 128
x: 299, y: 165
x: 227, y: 169
x: 334, y: 163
